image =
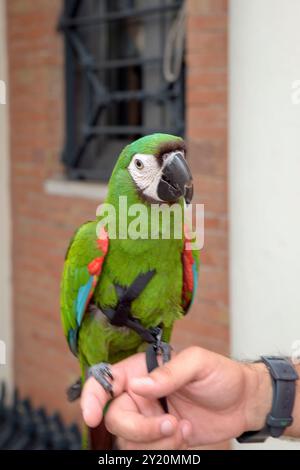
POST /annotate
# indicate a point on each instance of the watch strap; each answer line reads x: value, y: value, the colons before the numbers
x: 283, y: 376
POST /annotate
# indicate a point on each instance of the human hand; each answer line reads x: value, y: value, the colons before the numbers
x: 137, y: 423
x: 210, y: 397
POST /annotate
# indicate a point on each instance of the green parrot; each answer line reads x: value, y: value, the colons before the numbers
x: 119, y: 294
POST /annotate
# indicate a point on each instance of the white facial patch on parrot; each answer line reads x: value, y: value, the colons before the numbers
x: 146, y: 172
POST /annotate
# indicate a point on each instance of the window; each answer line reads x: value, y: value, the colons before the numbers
x: 116, y: 87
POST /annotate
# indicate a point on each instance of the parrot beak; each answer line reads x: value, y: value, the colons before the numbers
x: 176, y: 180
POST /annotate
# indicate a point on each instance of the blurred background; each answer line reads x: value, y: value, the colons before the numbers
x: 79, y: 79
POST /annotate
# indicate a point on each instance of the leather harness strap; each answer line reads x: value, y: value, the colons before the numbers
x: 121, y: 316
x: 152, y: 363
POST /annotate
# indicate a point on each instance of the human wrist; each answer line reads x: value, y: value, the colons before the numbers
x: 294, y: 429
x: 258, y: 396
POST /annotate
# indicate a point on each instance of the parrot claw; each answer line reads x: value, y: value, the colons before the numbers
x: 101, y: 372
x: 165, y: 350
x: 74, y: 391
x: 160, y: 346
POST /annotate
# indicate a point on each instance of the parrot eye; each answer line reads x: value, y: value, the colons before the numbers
x: 139, y: 164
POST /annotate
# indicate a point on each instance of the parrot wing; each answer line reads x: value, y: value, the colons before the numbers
x: 190, y: 265
x: 82, y: 268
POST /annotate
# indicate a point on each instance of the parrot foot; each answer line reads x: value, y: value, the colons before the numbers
x: 165, y: 350
x: 162, y: 348
x: 102, y: 373
x: 74, y: 391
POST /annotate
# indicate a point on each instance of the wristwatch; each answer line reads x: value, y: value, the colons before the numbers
x: 284, y: 378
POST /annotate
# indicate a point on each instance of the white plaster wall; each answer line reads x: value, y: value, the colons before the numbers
x: 5, y: 256
x: 264, y: 172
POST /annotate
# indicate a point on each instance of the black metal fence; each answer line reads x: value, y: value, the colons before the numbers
x: 24, y: 428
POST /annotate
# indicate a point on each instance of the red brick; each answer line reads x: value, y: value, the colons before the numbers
x: 211, y: 42
x: 213, y: 133
x: 207, y: 23
x: 199, y: 78
x: 208, y: 157
x: 210, y: 60
x: 207, y: 7
x: 208, y: 116
x: 204, y: 97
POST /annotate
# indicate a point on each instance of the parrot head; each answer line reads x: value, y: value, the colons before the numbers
x: 156, y: 167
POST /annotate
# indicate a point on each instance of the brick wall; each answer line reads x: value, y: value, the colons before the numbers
x: 207, y: 324
x: 43, y: 224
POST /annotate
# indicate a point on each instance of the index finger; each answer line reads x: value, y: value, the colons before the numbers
x: 94, y: 397
x: 190, y: 364
x: 92, y: 402
x: 124, y: 420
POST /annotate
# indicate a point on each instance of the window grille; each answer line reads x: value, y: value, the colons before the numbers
x: 115, y: 88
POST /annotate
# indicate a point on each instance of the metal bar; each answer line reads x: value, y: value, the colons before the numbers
x: 99, y: 90
x: 85, y: 58
x: 119, y: 15
x: 70, y: 9
x: 125, y: 130
x: 160, y: 95
x: 119, y: 63
x: 100, y: 98
x: 87, y: 62
x: 87, y: 136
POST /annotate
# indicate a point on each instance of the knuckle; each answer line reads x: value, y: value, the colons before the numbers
x: 111, y: 423
x: 166, y: 372
x: 133, y: 431
x: 195, y: 352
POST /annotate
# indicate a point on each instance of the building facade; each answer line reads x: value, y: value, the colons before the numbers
x: 255, y: 259
x: 46, y: 208
x: 43, y: 208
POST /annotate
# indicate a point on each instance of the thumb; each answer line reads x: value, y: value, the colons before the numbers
x: 183, y: 369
